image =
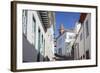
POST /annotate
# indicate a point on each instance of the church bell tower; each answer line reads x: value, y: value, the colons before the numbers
x: 61, y: 30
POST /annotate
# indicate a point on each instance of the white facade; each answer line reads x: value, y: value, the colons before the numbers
x: 87, y: 22
x: 64, y: 42
x: 49, y: 43
x: 35, y: 38
x: 79, y: 44
x: 82, y: 43
x: 49, y: 51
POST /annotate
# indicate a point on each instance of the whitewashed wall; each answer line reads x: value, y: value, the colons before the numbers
x: 30, y: 48
x: 81, y: 42
x: 88, y: 39
x: 85, y: 43
x: 62, y: 42
x: 49, y: 43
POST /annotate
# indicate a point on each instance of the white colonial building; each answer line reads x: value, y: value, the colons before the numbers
x: 38, y: 27
x: 64, y: 41
x: 82, y: 42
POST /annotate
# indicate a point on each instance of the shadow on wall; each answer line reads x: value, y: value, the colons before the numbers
x: 30, y: 54
x: 29, y: 51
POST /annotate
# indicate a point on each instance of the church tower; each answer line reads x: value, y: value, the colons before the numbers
x: 61, y: 30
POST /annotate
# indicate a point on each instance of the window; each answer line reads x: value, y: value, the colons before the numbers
x: 42, y: 42
x: 87, y: 29
x: 83, y: 56
x: 60, y: 51
x: 39, y: 46
x: 24, y: 22
x: 87, y: 54
x: 33, y: 24
x: 81, y: 37
x: 42, y: 39
x: 33, y: 29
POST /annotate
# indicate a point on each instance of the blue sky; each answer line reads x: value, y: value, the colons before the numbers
x: 68, y: 19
